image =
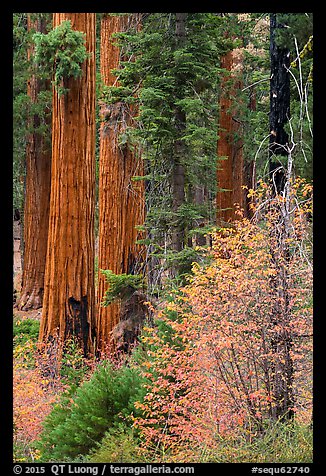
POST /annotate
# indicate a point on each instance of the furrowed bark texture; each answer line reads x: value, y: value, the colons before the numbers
x: 37, y: 196
x: 230, y: 145
x: 69, y: 294
x: 279, y: 107
x: 121, y: 200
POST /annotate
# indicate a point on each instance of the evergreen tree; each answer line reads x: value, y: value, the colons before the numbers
x: 82, y: 417
x: 279, y: 107
x: 179, y: 150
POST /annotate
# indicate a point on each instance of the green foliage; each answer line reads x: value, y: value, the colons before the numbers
x: 121, y: 286
x: 25, y: 330
x: 28, y: 117
x: 113, y: 94
x: 20, y: 104
x: 184, y: 259
x: 25, y: 338
x: 165, y: 78
x: 79, y: 421
x: 294, y: 25
x: 290, y: 442
x: 62, y: 49
x: 120, y: 445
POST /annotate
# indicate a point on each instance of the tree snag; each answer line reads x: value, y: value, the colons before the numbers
x: 230, y: 169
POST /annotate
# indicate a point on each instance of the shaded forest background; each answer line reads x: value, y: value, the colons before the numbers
x: 162, y: 215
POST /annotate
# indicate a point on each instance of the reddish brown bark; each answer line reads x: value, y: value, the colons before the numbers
x: 37, y: 195
x: 199, y: 198
x: 69, y: 294
x: 121, y: 199
x: 250, y: 168
x: 230, y: 144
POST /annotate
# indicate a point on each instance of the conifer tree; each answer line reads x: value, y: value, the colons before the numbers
x: 179, y: 150
x: 279, y: 107
x: 230, y: 169
x: 250, y: 166
x: 69, y: 295
x: 21, y: 105
x: 121, y: 198
x: 224, y: 151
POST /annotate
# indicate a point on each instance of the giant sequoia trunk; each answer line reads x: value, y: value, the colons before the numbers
x: 250, y: 168
x: 37, y: 195
x: 121, y: 199
x: 279, y: 107
x: 69, y: 295
x: 200, y: 198
x: 230, y: 145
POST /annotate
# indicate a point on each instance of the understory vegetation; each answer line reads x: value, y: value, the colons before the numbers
x: 94, y: 422
x: 200, y: 385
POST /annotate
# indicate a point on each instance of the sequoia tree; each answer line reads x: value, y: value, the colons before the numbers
x: 37, y: 191
x: 250, y: 166
x: 121, y: 197
x: 69, y: 294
